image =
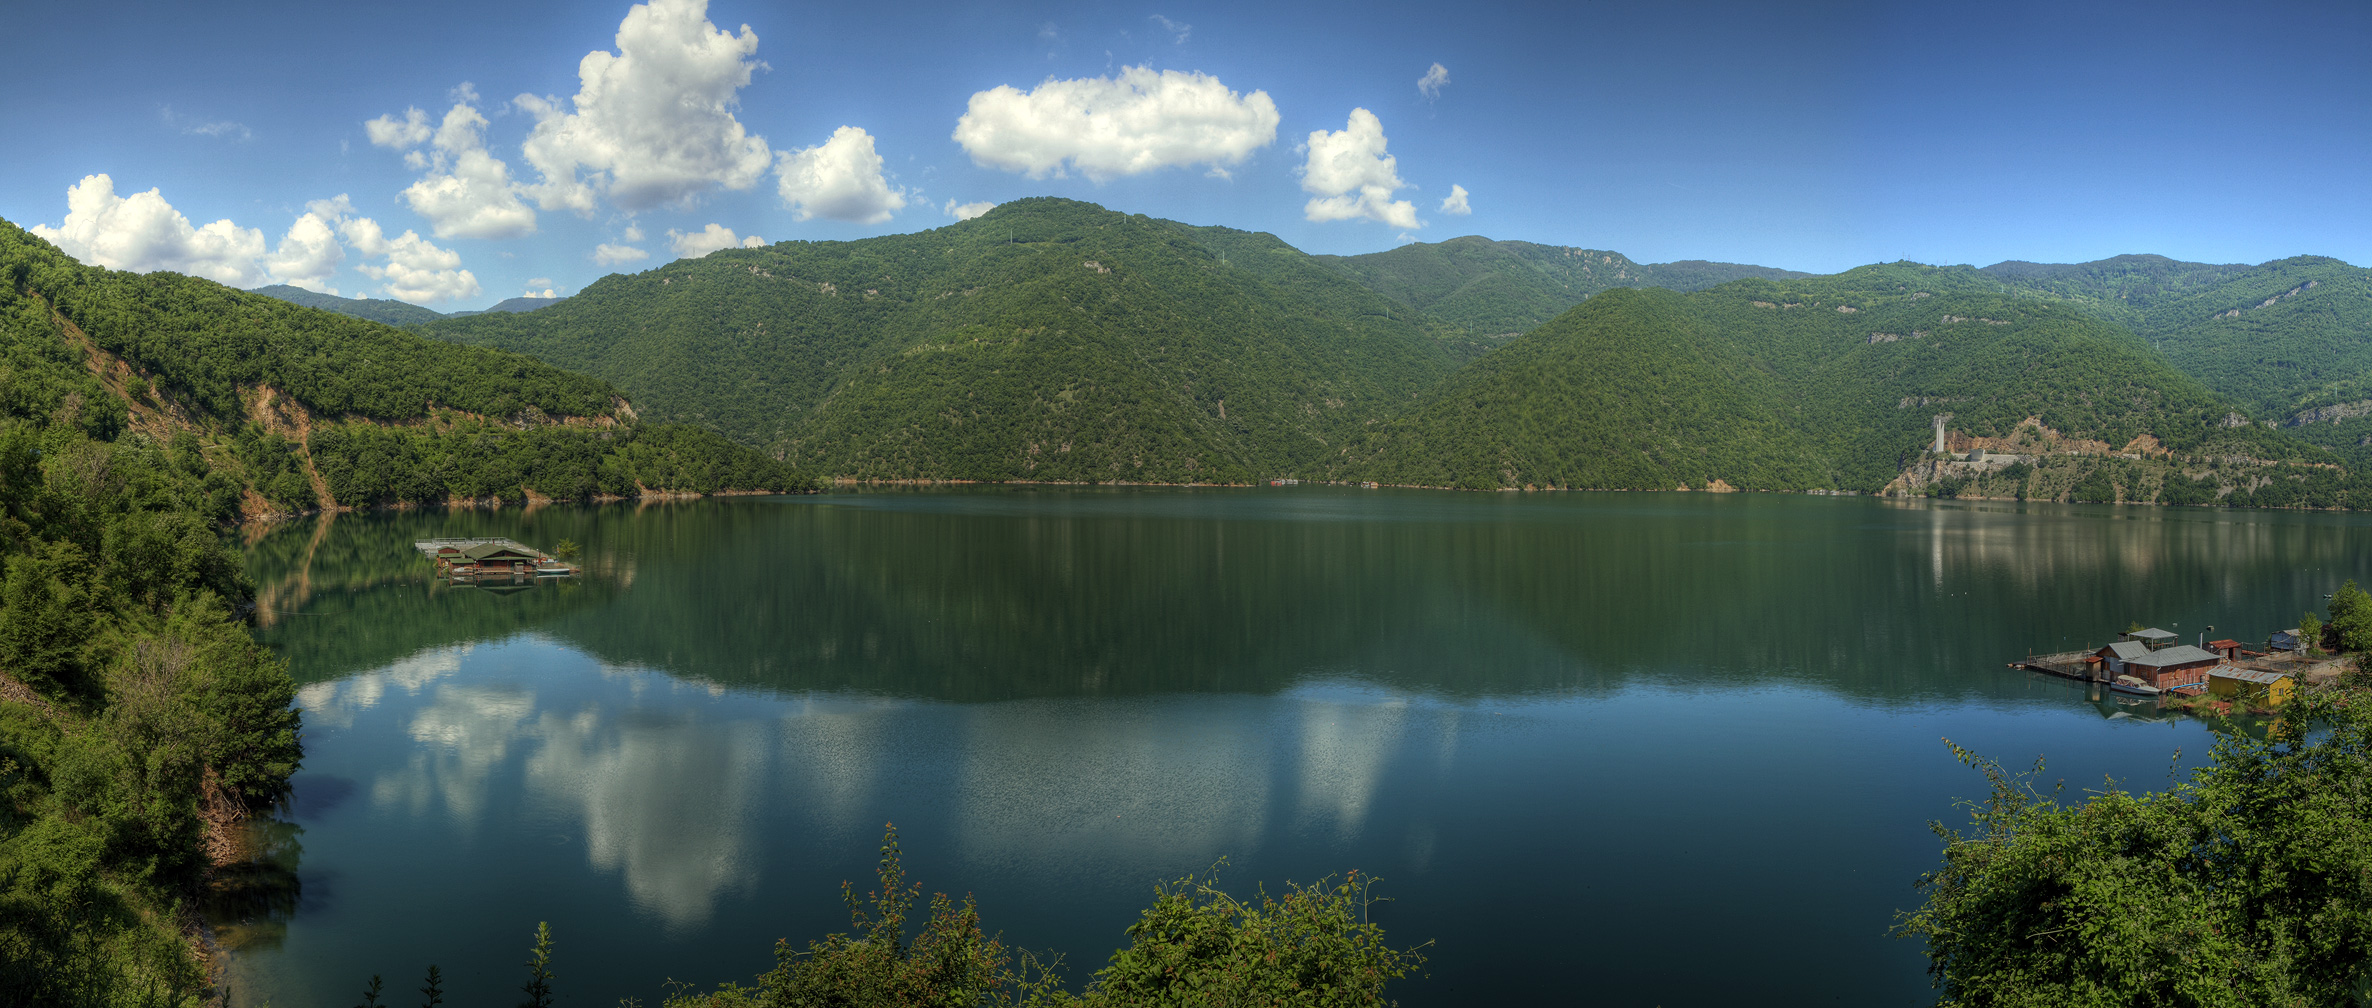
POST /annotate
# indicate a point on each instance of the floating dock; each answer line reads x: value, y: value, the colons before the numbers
x: 475, y: 559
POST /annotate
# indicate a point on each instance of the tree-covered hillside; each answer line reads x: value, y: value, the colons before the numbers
x: 1501, y: 288
x: 2282, y: 338
x: 394, y: 313
x: 1045, y: 340
x: 285, y: 408
x: 1825, y: 382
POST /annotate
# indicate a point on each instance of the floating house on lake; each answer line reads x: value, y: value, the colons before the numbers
x: 469, y: 559
x: 2259, y: 688
x: 2288, y: 640
x: 2164, y: 668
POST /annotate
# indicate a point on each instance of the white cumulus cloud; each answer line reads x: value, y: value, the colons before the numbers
x: 463, y: 191
x: 399, y: 134
x: 309, y: 254
x: 839, y: 180
x: 652, y: 123
x: 143, y: 233
x: 408, y: 266
x: 1430, y: 84
x: 1105, y: 127
x: 694, y: 244
x: 1352, y: 177
x: 610, y: 255
x: 1455, y: 202
x: 967, y: 211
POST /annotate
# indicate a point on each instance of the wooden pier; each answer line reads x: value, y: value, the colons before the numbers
x: 2065, y: 664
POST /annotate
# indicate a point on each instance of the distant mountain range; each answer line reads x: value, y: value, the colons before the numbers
x: 394, y: 313
x: 1056, y: 340
x: 1053, y: 340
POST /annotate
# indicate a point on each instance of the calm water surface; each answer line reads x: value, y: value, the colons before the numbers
x: 1623, y: 749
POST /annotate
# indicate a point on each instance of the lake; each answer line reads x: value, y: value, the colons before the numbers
x: 1623, y: 748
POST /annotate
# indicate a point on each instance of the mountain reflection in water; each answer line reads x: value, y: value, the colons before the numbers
x: 1549, y: 721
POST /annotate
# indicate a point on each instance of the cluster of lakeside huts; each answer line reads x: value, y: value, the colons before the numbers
x: 471, y: 559
x: 2153, y: 662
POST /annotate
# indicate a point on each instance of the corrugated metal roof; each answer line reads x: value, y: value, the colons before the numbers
x: 2152, y: 633
x: 2128, y: 650
x: 2246, y: 675
x: 2180, y: 654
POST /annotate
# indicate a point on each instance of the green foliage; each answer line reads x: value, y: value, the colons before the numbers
x: 2351, y: 619
x: 1195, y: 946
x: 2310, y: 630
x: 538, y: 987
x: 2250, y: 884
x: 432, y: 988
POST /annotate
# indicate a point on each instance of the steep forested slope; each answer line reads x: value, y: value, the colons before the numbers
x: 1798, y: 384
x: 289, y: 408
x: 1047, y: 339
x: 1506, y: 287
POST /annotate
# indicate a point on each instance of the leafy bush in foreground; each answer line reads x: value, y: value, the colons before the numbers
x: 2249, y: 885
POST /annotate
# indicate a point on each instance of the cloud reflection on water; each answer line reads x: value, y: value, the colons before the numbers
x: 663, y: 795
x: 683, y: 793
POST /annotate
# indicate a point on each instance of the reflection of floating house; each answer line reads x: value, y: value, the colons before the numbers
x: 474, y: 558
x: 2269, y: 689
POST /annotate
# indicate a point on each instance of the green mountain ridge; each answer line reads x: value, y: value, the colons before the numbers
x: 1503, y: 288
x: 395, y: 313
x: 1045, y: 340
x: 1801, y: 384
x: 2281, y: 338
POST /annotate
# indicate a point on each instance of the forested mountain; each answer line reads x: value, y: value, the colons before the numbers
x: 1501, y: 288
x: 1047, y: 340
x: 394, y: 313
x: 1824, y: 382
x: 2284, y: 338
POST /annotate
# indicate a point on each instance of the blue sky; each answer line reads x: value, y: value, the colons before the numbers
x: 1809, y: 137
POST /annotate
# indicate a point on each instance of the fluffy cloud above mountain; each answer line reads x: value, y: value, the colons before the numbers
x: 463, y: 191
x: 1104, y: 127
x: 1353, y: 177
x: 409, y: 267
x: 143, y: 233
x: 694, y: 244
x: 839, y: 179
x: 651, y: 124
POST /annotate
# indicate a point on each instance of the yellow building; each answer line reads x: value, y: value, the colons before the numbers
x: 2269, y: 689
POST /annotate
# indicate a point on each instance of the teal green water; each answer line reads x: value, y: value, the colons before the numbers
x: 1657, y: 749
